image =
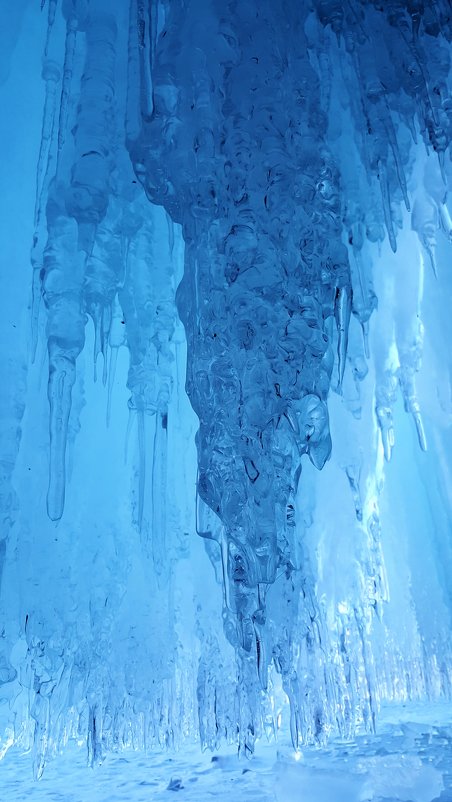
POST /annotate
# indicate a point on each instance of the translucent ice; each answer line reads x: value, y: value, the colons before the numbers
x: 249, y: 199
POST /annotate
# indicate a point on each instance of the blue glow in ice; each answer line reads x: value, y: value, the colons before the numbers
x: 249, y: 199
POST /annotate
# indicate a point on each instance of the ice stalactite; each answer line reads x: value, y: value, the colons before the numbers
x: 147, y: 301
x: 260, y: 285
x: 64, y: 268
x: 104, y: 273
x: 98, y: 194
x: 68, y: 69
x: 51, y: 76
x: 74, y: 276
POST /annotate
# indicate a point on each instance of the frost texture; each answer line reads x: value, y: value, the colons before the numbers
x: 293, y: 162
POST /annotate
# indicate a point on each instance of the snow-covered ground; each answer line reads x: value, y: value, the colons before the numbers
x: 408, y: 760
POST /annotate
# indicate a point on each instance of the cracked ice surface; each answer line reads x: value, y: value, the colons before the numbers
x: 251, y: 200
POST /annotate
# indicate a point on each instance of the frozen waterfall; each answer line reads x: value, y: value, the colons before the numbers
x: 226, y: 402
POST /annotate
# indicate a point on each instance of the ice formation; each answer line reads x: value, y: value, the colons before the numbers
x: 274, y: 176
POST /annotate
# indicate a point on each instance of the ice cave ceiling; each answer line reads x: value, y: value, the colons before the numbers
x: 226, y: 406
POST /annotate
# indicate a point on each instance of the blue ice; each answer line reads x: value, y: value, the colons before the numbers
x: 226, y: 397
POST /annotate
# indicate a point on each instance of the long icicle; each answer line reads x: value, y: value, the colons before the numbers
x: 68, y: 68
x: 51, y: 76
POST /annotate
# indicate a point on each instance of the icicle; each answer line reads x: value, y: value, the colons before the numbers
x: 141, y: 464
x: 61, y: 381
x: 365, y: 333
x: 105, y: 330
x: 295, y: 718
x: 117, y: 338
x: 35, y: 304
x: 385, y: 399
x: 153, y: 22
x: 133, y: 122
x: 261, y: 657
x: 77, y: 404
x: 410, y: 363
x: 395, y: 152
x: 442, y: 164
x: 144, y: 43
x: 103, y: 275
x: 353, y: 476
x: 342, y: 312
x: 51, y: 75
x: 424, y: 220
x: 385, y: 420
x: 170, y: 225
x: 364, y: 298
x: 384, y: 186
x: 446, y: 221
x: 430, y: 248
x: 159, y: 491
x: 98, y: 339
x: 62, y: 284
x: 111, y: 379
x: 130, y: 420
x: 416, y: 413
x: 50, y: 22
x: 94, y: 739
x: 68, y: 67
x: 40, y: 713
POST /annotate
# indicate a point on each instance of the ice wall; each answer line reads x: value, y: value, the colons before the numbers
x: 258, y: 191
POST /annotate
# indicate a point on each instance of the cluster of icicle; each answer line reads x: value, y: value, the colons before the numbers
x: 95, y: 252
x: 241, y: 149
x: 266, y: 272
x: 229, y: 125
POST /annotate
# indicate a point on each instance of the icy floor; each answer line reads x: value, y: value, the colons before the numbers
x: 409, y: 760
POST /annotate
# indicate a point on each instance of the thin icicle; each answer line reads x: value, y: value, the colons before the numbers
x: 384, y: 186
x: 130, y: 420
x: 446, y: 221
x: 425, y: 220
x: 144, y: 43
x: 96, y: 314
x: 68, y: 68
x: 159, y: 490
x: 353, y: 476
x: 117, y: 338
x: 62, y: 285
x: 50, y: 22
x: 153, y: 24
x: 261, y: 656
x: 170, y: 234
x: 61, y: 382
x: 35, y: 303
x: 365, y: 333
x: 142, y: 464
x: 398, y: 163
x: 342, y: 312
x: 105, y: 326
x: 51, y: 75
x: 133, y: 123
x: 111, y: 378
